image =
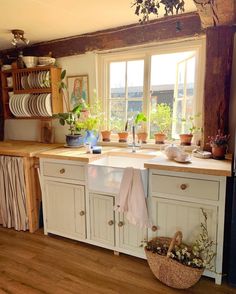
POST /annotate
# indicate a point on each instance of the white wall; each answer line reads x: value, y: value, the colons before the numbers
x: 30, y: 129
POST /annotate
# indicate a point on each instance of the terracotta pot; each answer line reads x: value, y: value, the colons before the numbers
x: 218, y: 152
x: 142, y: 137
x: 186, y: 139
x: 159, y: 138
x: 123, y: 136
x: 106, y: 136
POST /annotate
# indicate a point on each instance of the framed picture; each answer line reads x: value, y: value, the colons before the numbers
x: 78, y: 88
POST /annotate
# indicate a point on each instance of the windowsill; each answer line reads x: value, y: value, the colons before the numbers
x: 149, y: 145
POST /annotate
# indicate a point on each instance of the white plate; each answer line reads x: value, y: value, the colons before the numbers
x: 187, y: 160
x: 11, y: 102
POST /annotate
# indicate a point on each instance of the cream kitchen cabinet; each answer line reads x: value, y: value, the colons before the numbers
x: 64, y: 198
x: 175, y: 202
x: 102, y: 219
x: 65, y: 209
x: 111, y: 229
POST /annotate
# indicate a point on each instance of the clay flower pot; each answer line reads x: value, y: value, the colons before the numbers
x: 123, y: 136
x: 218, y: 152
x: 106, y: 136
x: 186, y: 139
x: 159, y: 138
x: 142, y: 137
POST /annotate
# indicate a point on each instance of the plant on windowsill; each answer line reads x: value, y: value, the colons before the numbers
x: 189, y: 122
x: 121, y: 129
x: 70, y: 117
x: 140, y: 123
x: 219, y: 145
x: 161, y: 119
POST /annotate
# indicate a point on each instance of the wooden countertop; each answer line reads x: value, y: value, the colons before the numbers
x: 24, y: 148
x: 73, y: 154
x: 200, y: 166
x: 197, y: 165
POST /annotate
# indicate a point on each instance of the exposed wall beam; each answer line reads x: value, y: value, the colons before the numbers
x: 216, y: 12
x: 219, y: 54
x: 163, y: 29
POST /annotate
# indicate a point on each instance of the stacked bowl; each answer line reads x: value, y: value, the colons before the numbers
x: 30, y: 61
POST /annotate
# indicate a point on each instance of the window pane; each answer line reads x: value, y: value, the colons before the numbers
x: 117, y: 115
x: 135, y: 71
x: 133, y: 108
x: 181, y: 72
x: 190, y: 76
x: 117, y: 79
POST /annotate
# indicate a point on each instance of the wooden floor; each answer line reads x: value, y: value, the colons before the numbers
x: 34, y: 263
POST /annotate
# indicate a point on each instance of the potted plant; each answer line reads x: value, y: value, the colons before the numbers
x: 219, y: 145
x: 186, y: 138
x: 122, y: 130
x: 161, y: 120
x: 140, y: 120
x: 70, y: 117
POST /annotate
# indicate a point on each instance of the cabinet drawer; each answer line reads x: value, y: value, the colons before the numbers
x: 198, y: 188
x: 65, y: 171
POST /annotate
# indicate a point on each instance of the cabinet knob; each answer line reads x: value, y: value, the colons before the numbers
x: 82, y: 213
x: 183, y: 186
x: 120, y: 224
x: 110, y: 223
x: 154, y: 228
x: 62, y: 171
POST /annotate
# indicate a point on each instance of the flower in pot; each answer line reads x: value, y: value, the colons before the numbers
x: 140, y: 120
x: 191, y: 127
x: 161, y: 121
x: 219, y: 145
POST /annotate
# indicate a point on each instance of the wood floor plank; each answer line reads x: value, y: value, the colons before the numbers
x: 34, y: 263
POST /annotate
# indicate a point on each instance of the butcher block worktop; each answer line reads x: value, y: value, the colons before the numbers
x: 24, y: 148
x: 197, y: 165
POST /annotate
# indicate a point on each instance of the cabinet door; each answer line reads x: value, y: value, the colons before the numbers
x: 171, y: 216
x: 131, y: 237
x: 64, y: 206
x: 102, y: 218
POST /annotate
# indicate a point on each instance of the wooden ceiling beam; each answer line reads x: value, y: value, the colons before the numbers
x: 216, y: 12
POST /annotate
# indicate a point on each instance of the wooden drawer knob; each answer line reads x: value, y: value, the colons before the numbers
x: 62, y: 171
x: 154, y: 228
x: 110, y: 223
x: 183, y: 187
x: 120, y: 224
x: 82, y: 213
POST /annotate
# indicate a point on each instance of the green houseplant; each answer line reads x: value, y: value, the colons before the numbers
x: 161, y: 120
x: 70, y: 117
x: 140, y: 121
x: 190, y: 128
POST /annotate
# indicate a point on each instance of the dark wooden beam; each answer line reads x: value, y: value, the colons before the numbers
x: 163, y: 29
x: 216, y: 12
x: 219, y: 55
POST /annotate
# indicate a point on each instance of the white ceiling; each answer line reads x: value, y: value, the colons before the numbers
x: 44, y: 20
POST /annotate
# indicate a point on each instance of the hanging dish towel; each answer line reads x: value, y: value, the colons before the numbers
x: 131, y: 199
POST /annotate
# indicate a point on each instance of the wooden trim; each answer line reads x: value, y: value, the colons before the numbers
x: 162, y: 29
x: 219, y: 55
x: 33, y: 192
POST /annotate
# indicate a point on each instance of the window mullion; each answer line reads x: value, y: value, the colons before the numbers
x: 147, y: 90
x: 126, y: 91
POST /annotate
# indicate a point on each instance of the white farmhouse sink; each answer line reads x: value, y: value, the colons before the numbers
x: 105, y: 174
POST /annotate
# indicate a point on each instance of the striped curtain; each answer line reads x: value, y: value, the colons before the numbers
x: 13, y: 212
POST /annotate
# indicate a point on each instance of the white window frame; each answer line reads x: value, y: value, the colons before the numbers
x: 146, y: 52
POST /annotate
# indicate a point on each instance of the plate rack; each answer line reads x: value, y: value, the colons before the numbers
x: 36, y: 80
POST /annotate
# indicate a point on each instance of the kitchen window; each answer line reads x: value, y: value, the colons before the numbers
x: 141, y: 80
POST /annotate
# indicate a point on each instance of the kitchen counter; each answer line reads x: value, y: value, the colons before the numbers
x: 24, y: 148
x: 197, y: 165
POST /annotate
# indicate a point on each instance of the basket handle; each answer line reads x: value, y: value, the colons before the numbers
x: 176, y: 240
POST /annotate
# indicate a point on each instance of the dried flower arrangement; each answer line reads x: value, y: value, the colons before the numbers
x: 199, y: 255
x: 219, y: 139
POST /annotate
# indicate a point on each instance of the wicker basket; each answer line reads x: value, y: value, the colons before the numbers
x: 169, y: 271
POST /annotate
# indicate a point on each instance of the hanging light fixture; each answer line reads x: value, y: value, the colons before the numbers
x: 18, y: 36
